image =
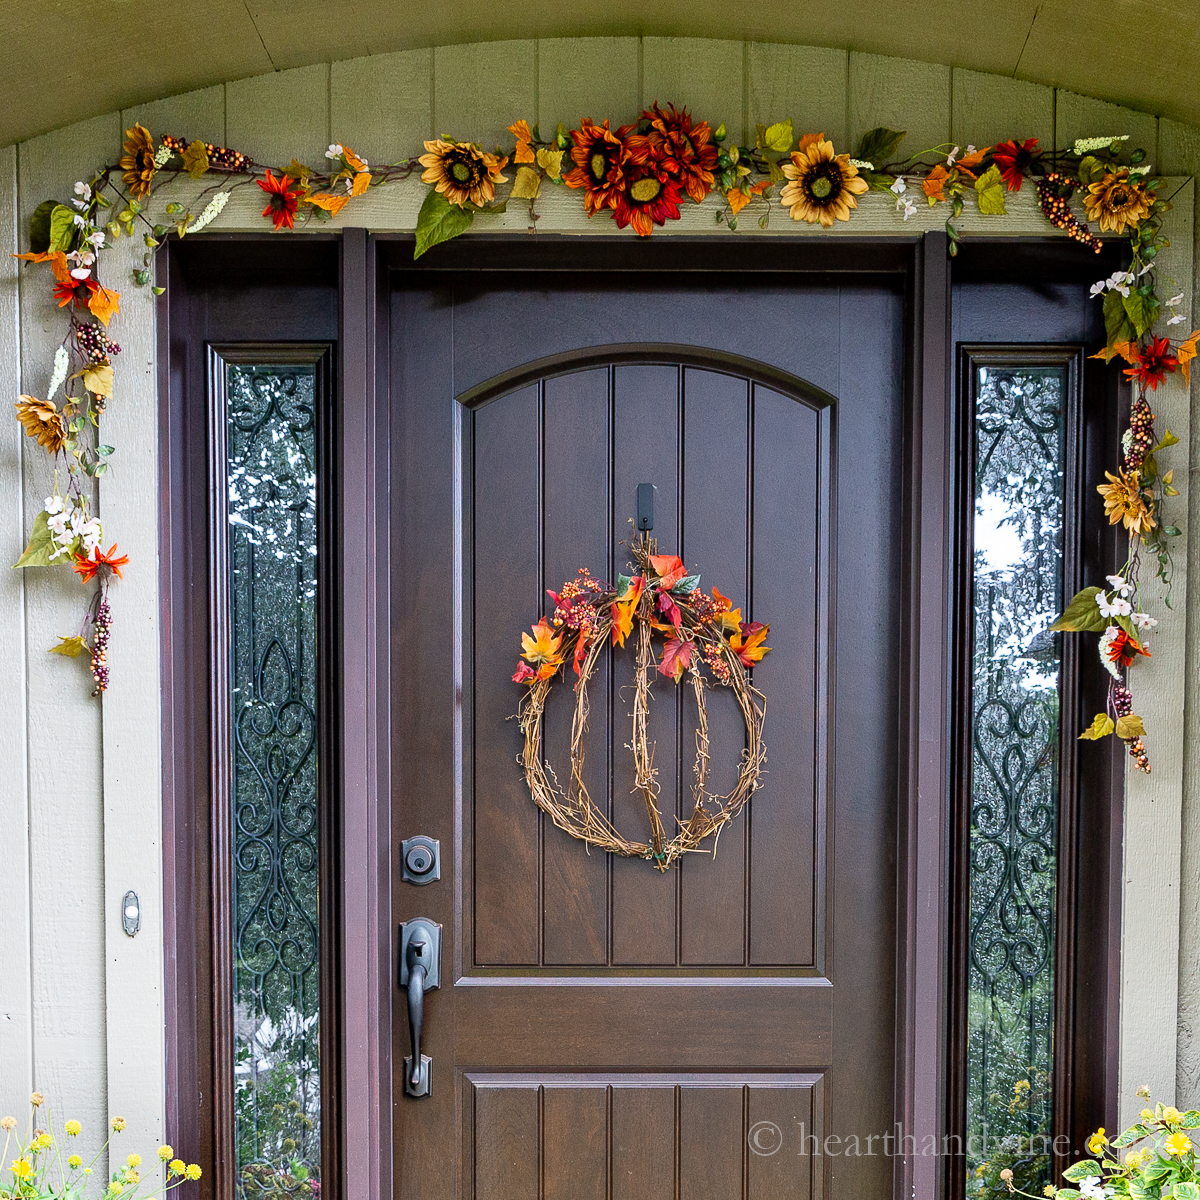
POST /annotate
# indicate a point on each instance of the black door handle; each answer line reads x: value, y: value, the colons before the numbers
x: 416, y: 1004
x: 420, y: 972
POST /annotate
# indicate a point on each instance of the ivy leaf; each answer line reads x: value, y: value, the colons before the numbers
x: 1117, y: 325
x: 527, y: 184
x: 1142, y: 309
x: 779, y: 137
x: 70, y: 647
x: 62, y: 227
x: 989, y: 192
x: 39, y: 226
x: 439, y: 221
x: 623, y: 582
x: 1101, y: 726
x: 879, y: 146
x: 687, y: 585
x: 1082, y: 615
x: 1087, y: 1169
x: 195, y: 159
x: 41, y: 544
x: 1131, y: 727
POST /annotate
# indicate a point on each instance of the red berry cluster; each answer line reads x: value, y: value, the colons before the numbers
x: 706, y: 609
x: 96, y: 344
x: 102, y: 625
x: 1054, y: 195
x: 1141, y: 426
x: 715, y: 658
x: 573, y: 606
x: 233, y: 162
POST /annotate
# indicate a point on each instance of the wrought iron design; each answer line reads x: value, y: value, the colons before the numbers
x: 276, y: 942
x: 1019, y: 448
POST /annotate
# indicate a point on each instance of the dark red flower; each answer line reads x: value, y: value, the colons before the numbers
x: 649, y: 195
x: 684, y: 148
x: 1014, y: 160
x: 281, y: 206
x: 599, y: 155
x: 1153, y: 362
x: 79, y: 290
x: 1125, y: 649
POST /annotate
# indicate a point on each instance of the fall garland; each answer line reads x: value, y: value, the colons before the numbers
x: 663, y: 600
x: 638, y: 174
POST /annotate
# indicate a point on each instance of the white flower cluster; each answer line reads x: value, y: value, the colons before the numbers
x: 72, y: 529
x: 211, y: 212
x: 59, y: 375
x: 1087, y: 145
x: 161, y: 155
x: 862, y: 164
x: 1176, y: 317
x: 1117, y: 603
x: 904, y: 203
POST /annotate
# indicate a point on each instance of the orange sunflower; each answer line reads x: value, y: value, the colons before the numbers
x: 1123, y: 501
x: 822, y: 185
x: 1117, y: 201
x: 649, y: 194
x: 599, y: 155
x: 686, y: 150
x: 462, y: 172
x: 137, y: 163
x: 43, y: 421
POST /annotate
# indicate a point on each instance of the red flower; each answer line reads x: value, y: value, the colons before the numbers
x: 599, y: 156
x: 649, y: 194
x: 1014, y: 160
x: 524, y: 673
x: 1153, y: 362
x: 86, y: 567
x: 684, y: 148
x: 79, y: 290
x: 1125, y: 648
x: 281, y: 207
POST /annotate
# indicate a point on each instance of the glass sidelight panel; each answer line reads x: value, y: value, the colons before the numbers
x: 275, y: 819
x: 1019, y: 464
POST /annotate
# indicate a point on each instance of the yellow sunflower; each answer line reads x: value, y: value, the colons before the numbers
x: 822, y: 184
x: 43, y: 421
x: 462, y: 172
x: 137, y: 163
x: 1117, y: 201
x: 1123, y: 501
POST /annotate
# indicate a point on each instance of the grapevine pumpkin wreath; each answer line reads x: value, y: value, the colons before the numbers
x: 662, y: 601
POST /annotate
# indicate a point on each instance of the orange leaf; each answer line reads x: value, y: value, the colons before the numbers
x: 104, y: 304
x: 624, y: 610
x: 738, y: 199
x: 670, y: 569
x: 543, y: 646
x: 352, y: 160
x: 329, y: 202
x: 1185, y: 354
x: 974, y: 160
x: 807, y: 140
x: 747, y: 643
x: 57, y: 260
x: 1126, y: 350
x: 524, y: 152
x: 362, y: 181
x: 933, y: 183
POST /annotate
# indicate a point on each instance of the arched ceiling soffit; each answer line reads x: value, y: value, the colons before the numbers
x: 63, y: 61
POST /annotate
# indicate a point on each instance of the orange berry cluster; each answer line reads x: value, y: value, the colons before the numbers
x: 1057, y: 208
x: 1137, y: 751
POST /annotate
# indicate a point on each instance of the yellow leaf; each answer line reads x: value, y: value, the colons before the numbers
x: 544, y: 646
x: 1102, y: 726
x: 99, y: 380
x: 104, y: 304
x: 355, y: 163
x: 298, y: 171
x: 1130, y: 727
x: 72, y: 647
x: 195, y: 159
x: 362, y: 181
x: 624, y: 609
x: 330, y: 203
x: 779, y: 136
x: 1185, y: 354
x: 527, y: 185
x: 551, y: 162
x: 521, y: 131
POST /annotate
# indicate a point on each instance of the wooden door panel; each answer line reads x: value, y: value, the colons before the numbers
x: 588, y: 1137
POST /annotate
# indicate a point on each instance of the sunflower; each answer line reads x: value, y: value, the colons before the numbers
x: 43, y: 421
x: 137, y: 163
x: 823, y: 185
x: 649, y: 195
x: 1123, y: 501
x: 1014, y: 160
x: 282, y: 199
x: 685, y: 148
x: 462, y: 172
x: 79, y: 290
x: 1117, y: 201
x: 599, y: 155
x: 86, y: 566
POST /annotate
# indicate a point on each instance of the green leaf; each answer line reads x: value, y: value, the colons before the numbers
x: 41, y: 544
x: 70, y: 647
x: 877, y: 181
x: 105, y: 450
x: 1167, y: 439
x: 623, y: 582
x: 1134, y: 1133
x: 775, y: 171
x: 780, y: 136
x: 1131, y: 726
x: 1082, y: 615
x: 1173, y: 531
x: 1087, y: 1169
x: 1187, y: 1191
x: 1142, y: 309
x: 39, y: 226
x: 1091, y: 169
x: 1190, y: 1119
x: 989, y: 192
x: 299, y: 1170
x: 879, y: 146
x: 720, y: 133
x: 1101, y: 726
x: 1117, y: 326
x: 688, y: 584
x: 62, y: 227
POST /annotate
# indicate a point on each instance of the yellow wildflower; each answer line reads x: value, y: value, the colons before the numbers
x: 73, y: 1128
x: 165, y: 1152
x: 131, y: 1176
x: 43, y: 1141
x: 8, y: 1124
x: 134, y: 1160
x: 193, y: 1171
x: 1172, y: 1115
x: 177, y: 1166
x: 1147, y: 1114
x: 22, y: 1168
x: 1048, y: 1190
x: 1178, y: 1144
x: 114, y: 1188
x: 74, y: 1162
x: 118, y: 1124
x: 1097, y: 1141
x: 37, y: 1099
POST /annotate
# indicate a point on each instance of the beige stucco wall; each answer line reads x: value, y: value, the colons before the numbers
x: 80, y: 1003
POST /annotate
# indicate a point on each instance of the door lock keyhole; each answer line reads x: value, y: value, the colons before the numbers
x: 420, y: 860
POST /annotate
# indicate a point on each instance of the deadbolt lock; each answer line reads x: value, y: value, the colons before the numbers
x: 420, y: 860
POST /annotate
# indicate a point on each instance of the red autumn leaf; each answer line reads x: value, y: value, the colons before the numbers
x: 524, y: 673
x: 669, y: 609
x: 581, y: 646
x: 670, y: 569
x: 677, y: 657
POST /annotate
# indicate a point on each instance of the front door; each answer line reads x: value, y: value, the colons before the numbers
x: 726, y: 1028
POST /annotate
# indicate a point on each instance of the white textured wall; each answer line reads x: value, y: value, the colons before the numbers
x: 80, y: 1004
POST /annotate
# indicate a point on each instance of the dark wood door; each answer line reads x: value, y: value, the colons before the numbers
x: 604, y: 1030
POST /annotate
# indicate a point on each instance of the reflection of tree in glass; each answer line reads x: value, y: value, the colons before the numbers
x: 272, y: 515
x: 1014, y: 788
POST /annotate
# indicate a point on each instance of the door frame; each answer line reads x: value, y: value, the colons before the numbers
x: 926, y: 928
